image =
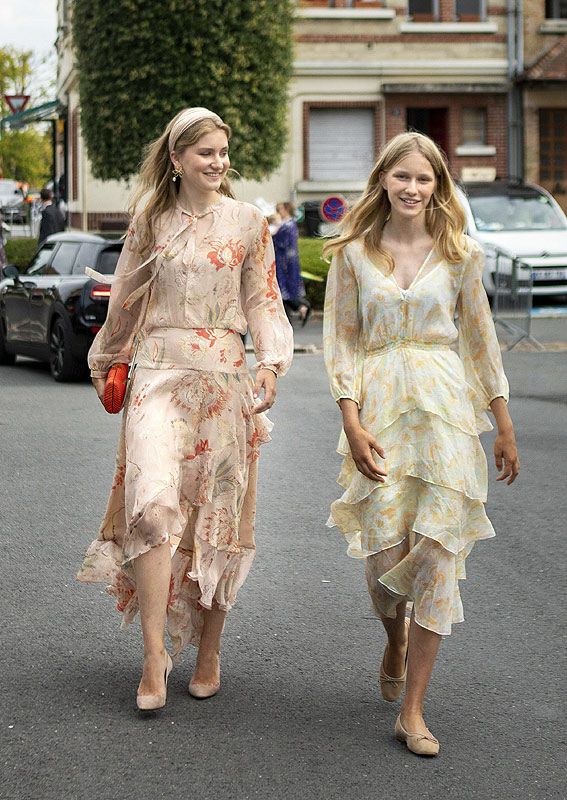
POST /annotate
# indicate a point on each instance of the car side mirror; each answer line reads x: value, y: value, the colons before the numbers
x: 11, y: 271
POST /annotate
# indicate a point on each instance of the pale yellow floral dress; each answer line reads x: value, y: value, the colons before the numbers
x: 189, y: 441
x: 393, y: 352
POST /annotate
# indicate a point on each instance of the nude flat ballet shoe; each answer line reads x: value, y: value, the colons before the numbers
x: 391, y: 688
x: 419, y: 743
x: 151, y: 702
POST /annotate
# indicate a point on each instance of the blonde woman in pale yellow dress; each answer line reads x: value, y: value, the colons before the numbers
x: 414, y: 472
x: 196, y: 271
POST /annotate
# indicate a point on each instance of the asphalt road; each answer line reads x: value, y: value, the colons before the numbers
x: 299, y: 715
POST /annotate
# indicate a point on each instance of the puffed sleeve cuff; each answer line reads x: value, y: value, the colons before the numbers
x: 346, y: 397
x: 278, y: 366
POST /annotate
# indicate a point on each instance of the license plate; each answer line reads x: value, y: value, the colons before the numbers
x: 549, y: 274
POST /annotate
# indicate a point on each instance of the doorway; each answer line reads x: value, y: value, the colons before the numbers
x: 434, y: 122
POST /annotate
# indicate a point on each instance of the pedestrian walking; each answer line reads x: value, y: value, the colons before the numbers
x: 401, y: 267
x: 288, y: 269
x: 197, y: 269
x: 52, y: 220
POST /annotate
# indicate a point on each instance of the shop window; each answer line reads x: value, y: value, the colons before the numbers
x: 553, y: 147
x: 473, y: 126
x: 423, y: 10
x: 556, y: 9
x: 470, y: 10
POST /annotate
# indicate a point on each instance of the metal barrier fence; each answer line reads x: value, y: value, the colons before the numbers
x: 513, y: 298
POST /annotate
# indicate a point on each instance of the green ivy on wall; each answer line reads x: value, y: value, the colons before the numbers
x: 139, y: 63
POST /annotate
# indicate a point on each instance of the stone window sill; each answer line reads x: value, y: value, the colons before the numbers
x: 330, y: 186
x: 448, y: 27
x: 346, y: 13
x: 475, y: 150
x: 553, y: 26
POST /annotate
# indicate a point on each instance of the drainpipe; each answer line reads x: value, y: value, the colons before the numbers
x: 514, y: 21
x: 520, y: 86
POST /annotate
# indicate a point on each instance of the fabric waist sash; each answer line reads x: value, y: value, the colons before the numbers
x: 410, y: 344
x: 212, y: 349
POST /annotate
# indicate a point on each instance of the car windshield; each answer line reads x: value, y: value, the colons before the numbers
x: 515, y: 213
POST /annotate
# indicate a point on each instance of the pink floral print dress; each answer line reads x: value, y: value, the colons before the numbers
x: 186, y: 465
x: 392, y: 352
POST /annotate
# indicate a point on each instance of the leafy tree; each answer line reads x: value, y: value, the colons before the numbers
x: 24, y: 154
x: 139, y: 63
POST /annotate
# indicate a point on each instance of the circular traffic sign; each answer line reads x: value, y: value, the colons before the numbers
x: 333, y: 208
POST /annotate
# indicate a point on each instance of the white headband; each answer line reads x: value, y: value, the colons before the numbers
x: 186, y: 118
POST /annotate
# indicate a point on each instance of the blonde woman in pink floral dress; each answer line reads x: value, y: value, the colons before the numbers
x: 414, y: 471
x: 196, y: 271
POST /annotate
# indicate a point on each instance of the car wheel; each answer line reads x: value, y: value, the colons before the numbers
x: 62, y: 363
x: 6, y: 358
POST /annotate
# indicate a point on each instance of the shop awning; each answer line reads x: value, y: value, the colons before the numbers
x: 42, y: 113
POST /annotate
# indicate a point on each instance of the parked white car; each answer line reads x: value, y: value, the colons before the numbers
x: 519, y: 220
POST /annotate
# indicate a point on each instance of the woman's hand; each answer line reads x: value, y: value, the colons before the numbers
x: 506, y: 456
x: 505, y: 450
x: 362, y: 444
x: 266, y: 380
x: 99, y: 384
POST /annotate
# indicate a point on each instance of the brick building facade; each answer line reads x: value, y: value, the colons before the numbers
x: 543, y: 80
x: 363, y: 71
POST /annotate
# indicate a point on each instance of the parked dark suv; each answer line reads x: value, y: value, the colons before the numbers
x: 53, y: 311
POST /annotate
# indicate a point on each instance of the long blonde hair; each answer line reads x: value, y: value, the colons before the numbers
x: 156, y: 177
x: 444, y: 216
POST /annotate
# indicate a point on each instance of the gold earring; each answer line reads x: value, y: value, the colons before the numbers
x: 177, y: 173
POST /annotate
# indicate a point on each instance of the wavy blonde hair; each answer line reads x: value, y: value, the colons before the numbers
x: 156, y: 177
x: 445, y: 219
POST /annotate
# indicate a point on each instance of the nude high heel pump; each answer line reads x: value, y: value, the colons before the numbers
x: 151, y: 702
x: 202, y: 691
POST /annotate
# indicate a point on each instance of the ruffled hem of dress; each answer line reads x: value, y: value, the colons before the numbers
x: 198, y: 578
x: 421, y: 445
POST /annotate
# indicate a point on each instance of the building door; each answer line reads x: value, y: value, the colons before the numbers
x: 434, y: 122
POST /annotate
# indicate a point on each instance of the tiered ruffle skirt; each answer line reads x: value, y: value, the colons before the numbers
x: 417, y: 528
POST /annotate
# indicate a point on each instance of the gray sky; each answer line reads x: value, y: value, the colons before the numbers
x: 31, y: 25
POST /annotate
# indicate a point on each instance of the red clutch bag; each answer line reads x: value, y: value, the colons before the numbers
x: 115, y: 388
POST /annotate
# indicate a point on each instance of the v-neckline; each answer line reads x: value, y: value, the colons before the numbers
x: 417, y: 274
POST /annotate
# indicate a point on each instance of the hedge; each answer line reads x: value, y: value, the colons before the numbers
x: 140, y: 63
x: 20, y: 252
x: 312, y: 261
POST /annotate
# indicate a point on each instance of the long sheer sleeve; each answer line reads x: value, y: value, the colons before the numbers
x: 113, y: 344
x: 341, y: 330
x: 270, y: 329
x: 478, y: 344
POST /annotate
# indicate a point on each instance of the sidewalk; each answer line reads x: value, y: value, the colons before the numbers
x: 550, y: 331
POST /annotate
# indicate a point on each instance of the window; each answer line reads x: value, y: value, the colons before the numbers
x: 40, y: 259
x: 553, y: 146
x: 556, y: 9
x: 87, y: 257
x: 470, y: 10
x: 423, y: 10
x: 108, y: 260
x: 64, y: 259
x: 340, y: 144
x: 474, y: 126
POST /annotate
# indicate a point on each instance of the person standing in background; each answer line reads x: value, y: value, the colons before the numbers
x: 288, y: 270
x: 52, y: 220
